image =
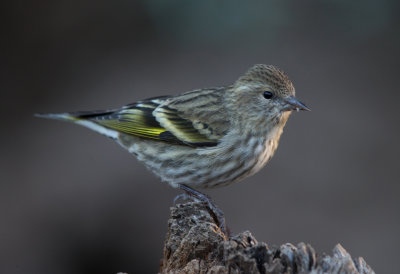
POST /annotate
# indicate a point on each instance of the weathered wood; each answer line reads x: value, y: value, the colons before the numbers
x: 195, y: 244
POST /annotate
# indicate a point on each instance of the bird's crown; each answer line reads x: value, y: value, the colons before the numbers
x: 269, y: 75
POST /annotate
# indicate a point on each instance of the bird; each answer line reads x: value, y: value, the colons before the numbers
x: 204, y: 138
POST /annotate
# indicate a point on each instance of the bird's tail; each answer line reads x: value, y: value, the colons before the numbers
x: 58, y: 116
x: 83, y: 119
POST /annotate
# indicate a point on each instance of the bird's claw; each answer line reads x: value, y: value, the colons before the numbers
x: 215, y: 212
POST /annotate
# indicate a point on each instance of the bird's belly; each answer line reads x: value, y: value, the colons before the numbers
x: 263, y: 153
x: 258, y: 153
x: 204, y: 168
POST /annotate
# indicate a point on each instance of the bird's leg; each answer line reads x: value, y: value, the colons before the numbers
x: 215, y: 212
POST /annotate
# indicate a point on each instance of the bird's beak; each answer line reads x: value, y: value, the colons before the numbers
x: 294, y: 104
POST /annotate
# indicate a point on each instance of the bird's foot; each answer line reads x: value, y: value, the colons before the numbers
x: 215, y: 212
x: 184, y: 197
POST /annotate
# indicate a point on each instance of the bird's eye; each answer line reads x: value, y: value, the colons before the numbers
x: 267, y: 95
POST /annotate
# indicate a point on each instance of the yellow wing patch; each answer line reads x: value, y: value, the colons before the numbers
x: 133, y: 122
x: 148, y: 119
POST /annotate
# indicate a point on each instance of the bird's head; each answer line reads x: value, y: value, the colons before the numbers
x: 265, y: 93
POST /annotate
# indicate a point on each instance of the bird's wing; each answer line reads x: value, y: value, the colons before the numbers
x: 195, y: 117
x: 133, y: 119
x: 168, y: 119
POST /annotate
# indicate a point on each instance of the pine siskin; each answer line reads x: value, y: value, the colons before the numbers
x: 206, y: 137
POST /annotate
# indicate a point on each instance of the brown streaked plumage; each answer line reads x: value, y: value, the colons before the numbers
x: 207, y: 137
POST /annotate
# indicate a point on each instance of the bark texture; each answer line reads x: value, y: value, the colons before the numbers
x: 195, y: 244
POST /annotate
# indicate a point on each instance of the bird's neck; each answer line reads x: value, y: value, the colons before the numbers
x: 270, y: 127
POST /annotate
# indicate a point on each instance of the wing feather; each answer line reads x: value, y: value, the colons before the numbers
x: 195, y: 117
x: 179, y: 120
x: 135, y: 119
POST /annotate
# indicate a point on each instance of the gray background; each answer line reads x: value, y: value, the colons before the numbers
x: 72, y: 201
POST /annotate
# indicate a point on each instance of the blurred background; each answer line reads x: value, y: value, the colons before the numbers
x: 72, y: 201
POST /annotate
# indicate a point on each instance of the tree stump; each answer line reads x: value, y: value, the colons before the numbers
x: 195, y: 244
